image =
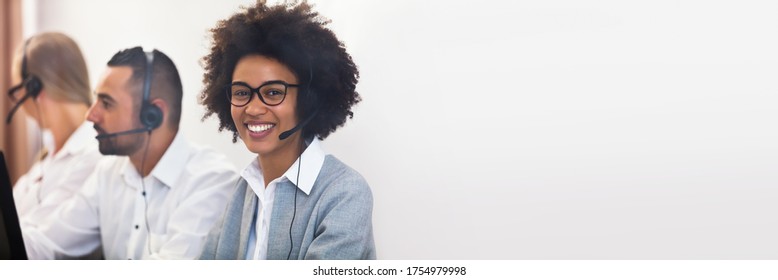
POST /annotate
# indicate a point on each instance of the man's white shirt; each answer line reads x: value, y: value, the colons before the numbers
x: 166, y: 217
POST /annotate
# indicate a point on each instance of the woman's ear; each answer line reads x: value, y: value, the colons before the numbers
x: 42, y: 94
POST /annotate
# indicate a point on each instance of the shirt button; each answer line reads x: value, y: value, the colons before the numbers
x: 136, y: 226
x: 143, y: 193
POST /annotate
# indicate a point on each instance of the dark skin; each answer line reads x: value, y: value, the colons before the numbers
x: 259, y: 125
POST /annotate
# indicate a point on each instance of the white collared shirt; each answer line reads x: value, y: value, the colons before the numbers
x: 310, y: 163
x: 56, y: 177
x: 187, y: 192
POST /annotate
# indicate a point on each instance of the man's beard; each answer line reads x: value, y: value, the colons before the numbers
x: 122, y: 145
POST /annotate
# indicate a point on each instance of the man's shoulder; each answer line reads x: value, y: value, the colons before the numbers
x: 205, y: 169
x: 206, y: 160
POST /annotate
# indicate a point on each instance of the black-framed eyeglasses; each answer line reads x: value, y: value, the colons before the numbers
x: 271, y: 93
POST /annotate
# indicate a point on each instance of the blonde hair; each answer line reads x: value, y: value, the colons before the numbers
x: 57, y: 61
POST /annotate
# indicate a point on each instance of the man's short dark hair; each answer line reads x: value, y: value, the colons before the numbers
x: 296, y: 36
x: 165, y: 84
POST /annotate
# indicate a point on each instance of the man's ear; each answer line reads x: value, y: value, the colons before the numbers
x: 163, y: 106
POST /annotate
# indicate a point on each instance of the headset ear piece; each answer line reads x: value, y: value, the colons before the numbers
x: 33, y: 86
x: 151, y: 116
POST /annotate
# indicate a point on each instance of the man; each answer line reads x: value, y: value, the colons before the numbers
x: 166, y: 212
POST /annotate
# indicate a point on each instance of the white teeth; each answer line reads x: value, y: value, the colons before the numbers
x: 259, y: 127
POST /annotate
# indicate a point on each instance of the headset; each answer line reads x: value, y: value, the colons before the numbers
x: 150, y: 115
x: 288, y: 133
x: 31, y: 83
x: 314, y: 100
x: 150, y: 118
x: 32, y: 86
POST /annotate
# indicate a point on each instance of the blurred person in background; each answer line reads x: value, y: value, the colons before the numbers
x: 51, y: 85
x: 157, y: 195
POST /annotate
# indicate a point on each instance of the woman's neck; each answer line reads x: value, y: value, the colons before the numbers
x: 273, y: 165
x: 63, y: 120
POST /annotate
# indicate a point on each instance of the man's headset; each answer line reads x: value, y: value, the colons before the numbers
x: 150, y: 114
x: 31, y: 84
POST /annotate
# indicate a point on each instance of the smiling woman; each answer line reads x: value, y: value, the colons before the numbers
x: 260, y: 121
x: 293, y: 201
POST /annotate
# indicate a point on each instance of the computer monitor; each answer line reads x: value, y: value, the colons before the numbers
x: 11, y: 242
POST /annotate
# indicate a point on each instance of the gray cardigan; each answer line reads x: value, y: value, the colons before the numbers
x: 333, y: 222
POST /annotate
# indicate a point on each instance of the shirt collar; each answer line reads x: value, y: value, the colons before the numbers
x: 169, y: 168
x: 312, y: 161
x: 253, y: 176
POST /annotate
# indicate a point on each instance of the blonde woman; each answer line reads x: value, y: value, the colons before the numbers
x: 52, y: 87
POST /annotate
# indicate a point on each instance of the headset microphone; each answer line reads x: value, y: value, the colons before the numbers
x: 16, y: 107
x: 297, y: 127
x: 111, y: 135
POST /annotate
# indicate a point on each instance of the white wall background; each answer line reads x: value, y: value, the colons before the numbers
x: 524, y: 129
